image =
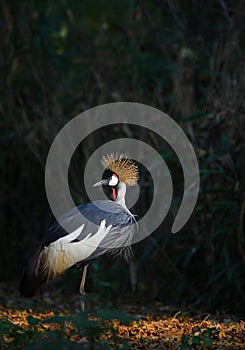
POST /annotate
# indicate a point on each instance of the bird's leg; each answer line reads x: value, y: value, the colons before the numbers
x: 82, y: 284
x: 81, y: 289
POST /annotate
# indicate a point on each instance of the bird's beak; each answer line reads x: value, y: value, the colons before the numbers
x: 101, y: 183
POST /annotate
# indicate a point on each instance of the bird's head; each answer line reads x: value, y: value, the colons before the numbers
x: 118, y: 169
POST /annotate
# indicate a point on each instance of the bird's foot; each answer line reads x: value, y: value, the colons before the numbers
x: 82, y: 292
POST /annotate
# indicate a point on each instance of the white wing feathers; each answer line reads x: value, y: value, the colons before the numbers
x: 62, y: 254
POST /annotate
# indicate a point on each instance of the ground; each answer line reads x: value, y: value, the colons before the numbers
x: 52, y: 320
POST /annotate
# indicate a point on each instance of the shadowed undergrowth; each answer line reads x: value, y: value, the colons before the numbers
x: 59, y: 59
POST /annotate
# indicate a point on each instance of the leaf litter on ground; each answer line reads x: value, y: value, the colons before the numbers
x: 57, y: 319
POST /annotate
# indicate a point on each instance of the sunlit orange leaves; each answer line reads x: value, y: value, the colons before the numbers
x: 21, y: 327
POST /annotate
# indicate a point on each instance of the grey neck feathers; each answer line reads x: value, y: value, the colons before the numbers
x: 121, y: 192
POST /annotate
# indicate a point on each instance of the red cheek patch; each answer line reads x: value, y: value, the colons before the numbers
x: 114, y: 194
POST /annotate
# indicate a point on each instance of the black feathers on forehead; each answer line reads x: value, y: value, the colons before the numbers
x: 107, y: 174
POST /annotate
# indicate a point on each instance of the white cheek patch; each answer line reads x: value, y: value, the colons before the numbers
x: 113, y: 181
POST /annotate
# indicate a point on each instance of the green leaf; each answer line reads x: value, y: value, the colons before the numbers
x: 207, y: 341
x: 32, y: 321
x: 115, y: 314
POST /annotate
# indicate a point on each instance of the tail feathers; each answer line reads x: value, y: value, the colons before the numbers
x: 45, y: 264
x: 32, y: 276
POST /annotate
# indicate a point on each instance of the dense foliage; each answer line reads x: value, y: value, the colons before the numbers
x: 185, y: 58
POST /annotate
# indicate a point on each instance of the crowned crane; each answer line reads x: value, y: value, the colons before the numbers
x: 105, y: 226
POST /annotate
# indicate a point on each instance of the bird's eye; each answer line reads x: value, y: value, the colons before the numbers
x: 114, y: 180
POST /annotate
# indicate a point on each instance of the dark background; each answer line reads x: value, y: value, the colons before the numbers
x: 186, y: 58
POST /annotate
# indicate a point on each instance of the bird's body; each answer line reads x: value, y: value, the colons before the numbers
x: 83, y: 234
